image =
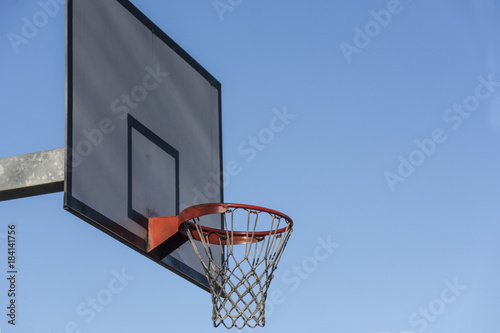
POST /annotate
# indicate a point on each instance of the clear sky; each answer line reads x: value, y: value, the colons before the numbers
x: 388, y: 163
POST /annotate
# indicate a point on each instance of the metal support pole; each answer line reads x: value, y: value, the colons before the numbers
x: 32, y: 174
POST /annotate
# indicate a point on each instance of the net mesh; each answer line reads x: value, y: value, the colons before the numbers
x: 240, y: 283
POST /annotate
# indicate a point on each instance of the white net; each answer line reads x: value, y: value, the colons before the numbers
x: 239, y: 285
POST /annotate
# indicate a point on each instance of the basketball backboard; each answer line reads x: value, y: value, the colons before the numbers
x: 143, y: 124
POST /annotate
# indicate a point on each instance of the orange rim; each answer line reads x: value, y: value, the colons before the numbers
x: 220, y: 236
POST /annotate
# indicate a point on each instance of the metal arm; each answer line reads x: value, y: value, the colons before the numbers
x: 32, y: 174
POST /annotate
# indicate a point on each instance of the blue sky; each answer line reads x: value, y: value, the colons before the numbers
x: 388, y: 165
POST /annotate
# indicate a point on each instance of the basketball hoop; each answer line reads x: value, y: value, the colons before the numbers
x: 239, y: 285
